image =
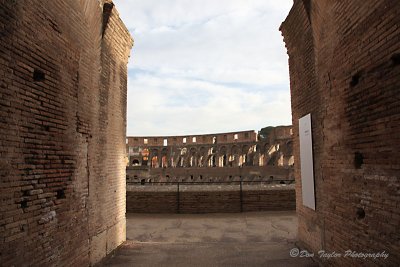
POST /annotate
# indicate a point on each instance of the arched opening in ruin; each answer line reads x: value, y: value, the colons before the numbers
x: 212, y: 161
x: 181, y: 161
x: 222, y: 160
x: 154, y: 162
x: 261, y: 161
x: 201, y: 161
x: 164, y: 162
x: 145, y: 157
x: 193, y: 157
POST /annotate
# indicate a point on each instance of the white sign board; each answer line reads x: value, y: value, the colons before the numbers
x: 306, y: 162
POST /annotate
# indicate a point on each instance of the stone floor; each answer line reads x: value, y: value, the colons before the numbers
x: 238, y: 239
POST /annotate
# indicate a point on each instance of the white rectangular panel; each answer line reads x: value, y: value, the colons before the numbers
x: 306, y: 162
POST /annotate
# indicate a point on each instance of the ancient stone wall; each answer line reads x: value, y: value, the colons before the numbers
x: 344, y: 61
x: 63, y: 81
x: 212, y: 156
x: 206, y: 174
x: 209, y: 201
x: 218, y: 138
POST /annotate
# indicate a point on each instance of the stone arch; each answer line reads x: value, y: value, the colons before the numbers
x: 234, y: 150
x: 233, y: 159
x: 154, y: 158
x: 183, y: 151
x: 164, y: 158
x: 257, y: 157
x: 193, y: 157
x: 244, y: 155
x: 145, y: 156
x: 251, y: 155
x: 180, y: 162
x: 211, y: 161
x: 202, y: 154
x: 154, y: 161
x: 135, y: 162
x: 222, y: 156
x: 258, y: 148
x: 266, y: 147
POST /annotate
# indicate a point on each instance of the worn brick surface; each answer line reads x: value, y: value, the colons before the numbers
x: 207, y: 174
x: 62, y: 131
x: 209, y: 201
x: 344, y: 70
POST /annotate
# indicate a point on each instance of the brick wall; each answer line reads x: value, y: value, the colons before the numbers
x: 344, y: 70
x: 209, y: 201
x: 221, y: 138
x: 275, y: 149
x: 215, y: 174
x: 62, y: 131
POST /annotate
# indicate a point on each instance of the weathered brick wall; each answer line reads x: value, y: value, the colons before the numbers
x: 171, y: 151
x: 62, y: 132
x: 344, y: 70
x: 209, y: 201
x: 200, y: 139
x: 265, y: 200
x: 151, y: 202
x: 206, y: 174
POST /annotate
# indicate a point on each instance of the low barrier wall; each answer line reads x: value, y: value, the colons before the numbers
x: 189, y: 200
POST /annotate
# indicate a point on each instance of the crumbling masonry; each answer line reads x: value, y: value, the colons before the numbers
x: 225, y: 157
x: 63, y: 76
x: 344, y: 60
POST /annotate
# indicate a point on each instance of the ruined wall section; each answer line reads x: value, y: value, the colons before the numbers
x: 220, y: 138
x: 107, y: 183
x: 209, y: 200
x: 267, y: 160
x: 228, y: 149
x: 347, y: 53
x: 50, y: 127
x: 271, y: 174
x: 299, y: 41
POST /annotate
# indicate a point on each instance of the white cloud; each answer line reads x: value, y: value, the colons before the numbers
x: 206, y: 66
x: 178, y: 106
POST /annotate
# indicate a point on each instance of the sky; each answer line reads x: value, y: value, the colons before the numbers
x: 206, y: 66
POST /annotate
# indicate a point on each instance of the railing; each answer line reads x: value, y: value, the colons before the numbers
x: 240, y: 184
x: 270, y: 181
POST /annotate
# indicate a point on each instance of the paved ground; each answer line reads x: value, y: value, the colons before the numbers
x: 239, y: 239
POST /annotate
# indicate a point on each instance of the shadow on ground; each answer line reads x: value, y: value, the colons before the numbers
x: 238, y: 239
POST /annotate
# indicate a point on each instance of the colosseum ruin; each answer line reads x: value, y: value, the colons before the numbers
x: 233, y: 156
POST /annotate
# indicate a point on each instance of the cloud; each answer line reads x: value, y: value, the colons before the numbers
x: 206, y: 66
x: 180, y: 106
